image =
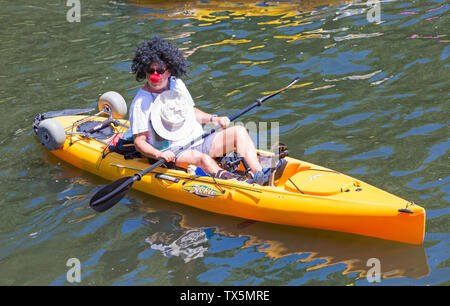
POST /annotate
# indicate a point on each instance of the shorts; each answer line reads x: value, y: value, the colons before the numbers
x: 204, y: 147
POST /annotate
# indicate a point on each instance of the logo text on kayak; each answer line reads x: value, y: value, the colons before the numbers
x: 202, y: 191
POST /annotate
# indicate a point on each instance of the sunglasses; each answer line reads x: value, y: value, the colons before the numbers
x: 159, y: 70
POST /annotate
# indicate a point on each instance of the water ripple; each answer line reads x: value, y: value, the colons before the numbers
x: 372, y: 104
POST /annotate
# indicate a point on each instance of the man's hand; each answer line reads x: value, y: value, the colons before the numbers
x: 223, y: 121
x: 168, y: 155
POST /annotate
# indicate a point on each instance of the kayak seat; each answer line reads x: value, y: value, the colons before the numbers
x: 123, y: 144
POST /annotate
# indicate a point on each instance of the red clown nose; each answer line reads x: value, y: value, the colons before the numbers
x: 155, y: 77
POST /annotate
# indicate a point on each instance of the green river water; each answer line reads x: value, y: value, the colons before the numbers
x: 374, y: 104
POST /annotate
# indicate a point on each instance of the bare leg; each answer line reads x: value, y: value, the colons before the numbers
x: 196, y: 158
x: 236, y: 137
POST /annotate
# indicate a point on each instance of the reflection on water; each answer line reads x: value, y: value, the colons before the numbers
x: 372, y: 102
x: 188, y: 246
x: 217, y: 11
x: 314, y: 249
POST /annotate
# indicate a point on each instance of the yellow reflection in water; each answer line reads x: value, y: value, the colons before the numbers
x: 320, y: 248
x: 284, y: 14
x: 207, y: 10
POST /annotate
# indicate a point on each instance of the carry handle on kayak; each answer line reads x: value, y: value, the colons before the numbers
x: 112, y: 193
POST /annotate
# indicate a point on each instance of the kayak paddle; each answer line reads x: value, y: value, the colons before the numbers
x: 112, y: 193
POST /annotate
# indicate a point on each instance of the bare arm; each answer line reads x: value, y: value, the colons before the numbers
x: 146, y: 149
x: 205, y: 118
x: 201, y: 116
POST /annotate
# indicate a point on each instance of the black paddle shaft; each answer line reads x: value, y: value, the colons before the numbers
x: 259, y: 102
x: 112, y: 193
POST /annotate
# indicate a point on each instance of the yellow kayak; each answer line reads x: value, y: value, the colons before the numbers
x: 305, y: 195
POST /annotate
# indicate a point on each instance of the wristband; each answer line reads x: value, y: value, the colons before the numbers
x: 211, y: 118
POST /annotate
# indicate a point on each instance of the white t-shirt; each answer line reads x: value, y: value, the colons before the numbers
x: 140, y: 120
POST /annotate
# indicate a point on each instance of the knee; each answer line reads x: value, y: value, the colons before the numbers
x: 240, y: 132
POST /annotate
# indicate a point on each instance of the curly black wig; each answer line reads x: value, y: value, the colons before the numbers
x: 159, y: 51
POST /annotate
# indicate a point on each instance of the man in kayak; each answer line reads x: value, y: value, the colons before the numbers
x: 153, y: 121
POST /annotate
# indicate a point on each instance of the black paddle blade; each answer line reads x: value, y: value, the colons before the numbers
x: 112, y: 193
